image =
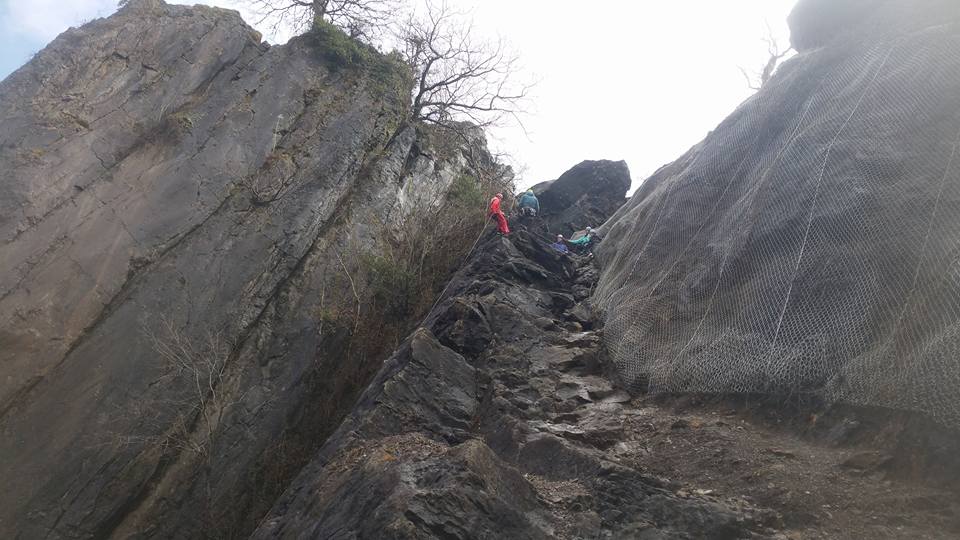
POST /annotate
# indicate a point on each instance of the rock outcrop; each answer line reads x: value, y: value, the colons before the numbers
x: 494, y: 420
x: 185, y: 217
x: 586, y: 195
x: 196, y: 282
x: 808, y: 246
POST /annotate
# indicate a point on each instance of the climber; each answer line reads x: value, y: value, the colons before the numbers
x: 594, y: 236
x: 496, y: 214
x: 529, y: 205
x: 583, y: 243
x: 560, y: 245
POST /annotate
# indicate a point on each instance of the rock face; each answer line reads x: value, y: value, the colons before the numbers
x: 586, y: 195
x: 817, y: 23
x: 493, y: 420
x: 181, y: 207
x: 809, y: 245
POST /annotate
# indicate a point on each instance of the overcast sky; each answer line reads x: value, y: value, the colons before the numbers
x: 632, y: 80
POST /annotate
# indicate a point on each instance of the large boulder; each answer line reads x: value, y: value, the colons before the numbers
x: 816, y: 23
x: 586, y: 195
x: 808, y: 246
x: 813, y: 23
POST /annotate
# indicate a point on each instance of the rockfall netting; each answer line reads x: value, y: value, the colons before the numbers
x: 811, y: 244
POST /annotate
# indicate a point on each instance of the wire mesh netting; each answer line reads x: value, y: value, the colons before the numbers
x: 811, y: 244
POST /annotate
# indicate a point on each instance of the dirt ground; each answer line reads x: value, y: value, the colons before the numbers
x: 819, y: 489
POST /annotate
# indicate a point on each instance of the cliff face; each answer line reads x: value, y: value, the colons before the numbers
x: 809, y: 244
x: 200, y: 239
x: 494, y: 420
x: 186, y: 218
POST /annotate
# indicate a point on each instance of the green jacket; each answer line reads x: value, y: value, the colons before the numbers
x: 582, y: 241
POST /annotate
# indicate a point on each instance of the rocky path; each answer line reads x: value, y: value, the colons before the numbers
x: 495, y: 420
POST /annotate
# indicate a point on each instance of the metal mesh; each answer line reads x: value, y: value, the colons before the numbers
x: 811, y: 244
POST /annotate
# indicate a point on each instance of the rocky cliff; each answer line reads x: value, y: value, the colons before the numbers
x: 192, y: 226
x: 497, y: 419
x: 808, y: 246
x: 494, y: 420
x: 209, y: 245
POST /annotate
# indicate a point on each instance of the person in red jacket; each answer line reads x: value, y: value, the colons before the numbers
x: 497, y: 214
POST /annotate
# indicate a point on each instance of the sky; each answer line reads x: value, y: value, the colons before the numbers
x: 640, y: 81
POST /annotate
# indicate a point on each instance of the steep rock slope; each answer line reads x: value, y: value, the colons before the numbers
x: 183, y: 207
x: 808, y: 246
x: 494, y: 420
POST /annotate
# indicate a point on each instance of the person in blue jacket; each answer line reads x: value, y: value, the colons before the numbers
x: 560, y: 245
x: 528, y: 204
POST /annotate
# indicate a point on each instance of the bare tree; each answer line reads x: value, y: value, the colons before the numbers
x: 196, y: 394
x: 359, y: 18
x: 756, y: 80
x: 458, y: 77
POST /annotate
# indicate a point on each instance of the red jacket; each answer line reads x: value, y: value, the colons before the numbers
x: 495, y: 206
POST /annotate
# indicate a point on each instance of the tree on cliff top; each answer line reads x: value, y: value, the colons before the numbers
x: 458, y: 76
x: 756, y: 80
x: 359, y: 18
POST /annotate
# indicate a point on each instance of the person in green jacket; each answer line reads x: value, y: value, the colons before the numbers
x: 584, y: 242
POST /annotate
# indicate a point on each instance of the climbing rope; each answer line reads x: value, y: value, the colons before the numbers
x: 467, y: 256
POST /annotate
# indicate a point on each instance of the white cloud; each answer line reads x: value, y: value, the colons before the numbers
x: 640, y: 81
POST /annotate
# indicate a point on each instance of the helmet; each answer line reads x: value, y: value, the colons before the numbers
x: 530, y: 191
x: 589, y: 230
x: 499, y: 195
x: 559, y: 237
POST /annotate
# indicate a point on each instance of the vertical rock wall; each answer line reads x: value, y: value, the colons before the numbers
x: 180, y: 205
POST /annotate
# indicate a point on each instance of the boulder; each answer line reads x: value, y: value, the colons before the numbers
x: 586, y: 195
x: 817, y: 23
x: 814, y: 23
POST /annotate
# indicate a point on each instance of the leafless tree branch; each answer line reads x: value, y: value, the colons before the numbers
x: 187, y: 422
x: 756, y: 80
x: 459, y: 78
x: 366, y: 19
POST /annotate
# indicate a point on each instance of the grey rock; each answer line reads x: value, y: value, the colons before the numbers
x: 582, y: 314
x: 538, y: 434
x: 818, y: 23
x: 814, y: 23
x: 584, y: 196
x: 778, y: 256
x: 167, y: 180
x: 866, y: 462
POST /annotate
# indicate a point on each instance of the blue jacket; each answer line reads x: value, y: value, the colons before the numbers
x: 561, y: 247
x: 529, y: 200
